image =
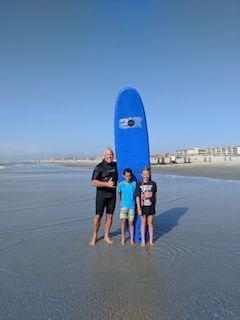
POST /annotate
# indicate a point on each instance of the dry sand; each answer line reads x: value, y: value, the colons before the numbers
x: 221, y: 170
x: 226, y: 171
x: 217, y: 171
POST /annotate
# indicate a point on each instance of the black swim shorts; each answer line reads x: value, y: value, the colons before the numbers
x: 148, y: 210
x: 103, y: 203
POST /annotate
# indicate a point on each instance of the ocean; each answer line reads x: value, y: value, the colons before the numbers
x: 49, y: 271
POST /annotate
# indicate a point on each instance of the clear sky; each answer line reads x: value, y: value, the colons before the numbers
x: 63, y: 63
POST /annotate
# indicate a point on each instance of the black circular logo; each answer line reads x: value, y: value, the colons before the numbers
x: 131, y: 123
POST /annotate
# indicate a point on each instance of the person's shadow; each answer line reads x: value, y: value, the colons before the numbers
x: 163, y: 223
x: 167, y: 220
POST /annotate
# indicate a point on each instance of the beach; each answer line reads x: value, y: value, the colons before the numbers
x: 218, y: 170
x: 48, y: 270
x: 225, y: 171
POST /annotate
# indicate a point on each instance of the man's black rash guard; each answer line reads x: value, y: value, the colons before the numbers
x: 104, y: 172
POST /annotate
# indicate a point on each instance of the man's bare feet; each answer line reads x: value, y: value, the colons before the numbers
x: 108, y: 240
x: 132, y: 242
x: 142, y: 244
x: 151, y: 243
x: 92, y: 242
x: 123, y: 242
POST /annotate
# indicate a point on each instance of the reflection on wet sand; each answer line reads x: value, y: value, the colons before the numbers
x: 48, y: 270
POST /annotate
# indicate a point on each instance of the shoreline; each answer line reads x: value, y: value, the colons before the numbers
x: 223, y: 171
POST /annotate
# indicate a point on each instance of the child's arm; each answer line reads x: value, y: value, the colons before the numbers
x: 119, y: 197
x: 155, y: 195
x: 155, y: 198
x: 138, y: 199
x: 119, y: 192
x: 139, y: 209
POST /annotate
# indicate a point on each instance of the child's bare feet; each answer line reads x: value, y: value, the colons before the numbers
x: 123, y: 242
x: 142, y: 244
x: 151, y: 243
x: 92, y: 242
x: 108, y: 240
x: 131, y: 242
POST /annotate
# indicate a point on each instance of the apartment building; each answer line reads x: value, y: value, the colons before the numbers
x: 214, y: 151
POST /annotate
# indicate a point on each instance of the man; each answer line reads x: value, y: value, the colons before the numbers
x: 104, y: 178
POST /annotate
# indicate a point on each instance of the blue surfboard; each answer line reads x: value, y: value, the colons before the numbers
x: 131, y: 138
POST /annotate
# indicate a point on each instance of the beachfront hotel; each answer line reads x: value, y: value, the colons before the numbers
x: 212, y: 151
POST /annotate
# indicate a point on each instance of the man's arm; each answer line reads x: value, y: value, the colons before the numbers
x: 100, y: 184
x: 96, y: 179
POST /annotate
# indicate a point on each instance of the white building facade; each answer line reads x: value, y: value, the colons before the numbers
x: 213, y: 151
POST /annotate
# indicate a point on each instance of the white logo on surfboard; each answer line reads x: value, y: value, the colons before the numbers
x: 131, y: 122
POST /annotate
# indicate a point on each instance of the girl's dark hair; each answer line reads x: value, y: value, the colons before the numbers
x: 127, y: 170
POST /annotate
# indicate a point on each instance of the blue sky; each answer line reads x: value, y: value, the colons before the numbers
x: 63, y: 63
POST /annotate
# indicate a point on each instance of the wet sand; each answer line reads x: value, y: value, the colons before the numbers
x: 48, y: 270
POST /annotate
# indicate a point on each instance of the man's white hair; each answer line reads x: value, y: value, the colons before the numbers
x: 108, y: 149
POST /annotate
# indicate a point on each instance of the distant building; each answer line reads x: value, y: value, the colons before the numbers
x: 224, y: 151
x: 214, y: 151
x: 187, y: 152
